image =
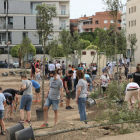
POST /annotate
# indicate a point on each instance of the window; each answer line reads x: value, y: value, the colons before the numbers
x: 119, y: 28
x: 132, y: 10
x: 105, y: 21
x: 105, y: 28
x: 129, y: 36
x: 96, y: 21
x: 129, y: 10
x: 119, y: 21
x: 129, y: 23
x: 63, y: 24
x: 10, y: 23
x: 135, y: 23
x: 2, y: 23
x: 83, y: 53
x: 25, y: 34
x: 111, y: 21
x: 92, y: 53
x: 63, y: 9
x: 33, y: 7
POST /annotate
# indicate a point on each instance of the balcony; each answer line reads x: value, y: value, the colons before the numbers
x: 10, y: 26
x: 63, y: 12
x: 57, y: 27
x: 2, y: 41
x: 87, y: 26
x: 2, y: 23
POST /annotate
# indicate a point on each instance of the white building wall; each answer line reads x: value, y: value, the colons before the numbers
x: 134, y: 29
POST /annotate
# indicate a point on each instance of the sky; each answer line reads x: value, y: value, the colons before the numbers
x: 79, y: 8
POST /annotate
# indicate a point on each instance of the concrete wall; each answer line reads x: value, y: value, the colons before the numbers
x: 88, y: 58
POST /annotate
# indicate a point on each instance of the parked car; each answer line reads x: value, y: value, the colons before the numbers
x: 2, y: 64
x: 114, y: 63
x: 15, y: 64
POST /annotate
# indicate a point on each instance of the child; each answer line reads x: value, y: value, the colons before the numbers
x: 2, y: 102
x: 104, y: 81
x: 120, y: 75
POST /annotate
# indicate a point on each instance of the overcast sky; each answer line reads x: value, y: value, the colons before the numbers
x: 88, y: 7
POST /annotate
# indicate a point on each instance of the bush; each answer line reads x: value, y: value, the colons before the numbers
x: 113, y: 92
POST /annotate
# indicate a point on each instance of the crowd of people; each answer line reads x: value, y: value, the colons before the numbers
x: 76, y: 82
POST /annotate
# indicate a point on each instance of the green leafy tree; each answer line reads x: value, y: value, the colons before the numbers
x: 85, y: 43
x: 45, y: 14
x: 56, y: 50
x: 66, y: 41
x: 78, y: 46
x: 90, y: 36
x: 25, y: 47
x: 90, y: 47
x: 114, y: 6
x: 15, y: 51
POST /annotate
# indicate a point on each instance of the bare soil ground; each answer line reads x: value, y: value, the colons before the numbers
x: 67, y: 118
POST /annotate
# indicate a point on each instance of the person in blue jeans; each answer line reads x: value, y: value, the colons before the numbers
x: 26, y: 99
x: 81, y: 91
x: 53, y: 97
x: 2, y: 103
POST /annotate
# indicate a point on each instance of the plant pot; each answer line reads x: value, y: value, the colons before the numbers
x: 10, y: 132
x: 90, y: 102
x: 40, y: 114
x: 25, y: 134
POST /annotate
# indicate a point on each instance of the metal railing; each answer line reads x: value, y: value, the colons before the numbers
x: 64, y: 12
x: 10, y: 26
x: 2, y: 26
x: 2, y: 41
x: 57, y: 27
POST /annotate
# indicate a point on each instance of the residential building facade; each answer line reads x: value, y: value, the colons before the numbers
x: 123, y: 24
x: 133, y: 27
x: 74, y: 25
x: 99, y: 20
x: 18, y: 19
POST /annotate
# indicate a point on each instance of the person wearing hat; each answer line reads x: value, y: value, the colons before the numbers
x: 68, y: 88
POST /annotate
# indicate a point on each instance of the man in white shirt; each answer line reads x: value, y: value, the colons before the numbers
x: 132, y: 90
x: 58, y: 65
x: 51, y: 66
x: 110, y: 72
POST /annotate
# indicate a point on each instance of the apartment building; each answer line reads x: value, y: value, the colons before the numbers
x: 18, y: 19
x: 99, y: 20
x: 74, y: 24
x: 133, y: 27
x: 123, y: 24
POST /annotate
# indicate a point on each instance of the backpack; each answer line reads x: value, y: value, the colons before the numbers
x: 63, y: 80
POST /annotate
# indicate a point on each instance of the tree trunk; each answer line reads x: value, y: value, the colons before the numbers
x: 66, y: 63
x: 43, y: 75
x: 116, y: 53
x: 85, y: 127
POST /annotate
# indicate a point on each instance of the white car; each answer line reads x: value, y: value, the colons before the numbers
x: 113, y: 62
x: 15, y: 64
